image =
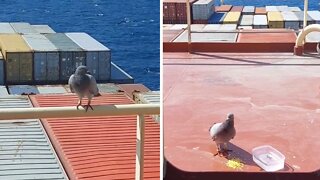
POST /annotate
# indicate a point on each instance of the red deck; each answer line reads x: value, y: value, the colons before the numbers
x: 275, y: 98
x: 100, y: 147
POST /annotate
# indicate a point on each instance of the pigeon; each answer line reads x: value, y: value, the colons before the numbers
x: 222, y: 133
x: 83, y: 84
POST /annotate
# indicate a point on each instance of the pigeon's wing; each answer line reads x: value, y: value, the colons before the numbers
x: 71, y: 82
x: 215, y: 129
x: 93, y: 85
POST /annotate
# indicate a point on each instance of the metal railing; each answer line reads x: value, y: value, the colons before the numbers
x: 109, y: 110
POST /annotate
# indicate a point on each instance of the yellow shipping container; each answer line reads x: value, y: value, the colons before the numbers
x: 232, y: 18
x: 275, y: 19
x: 18, y: 57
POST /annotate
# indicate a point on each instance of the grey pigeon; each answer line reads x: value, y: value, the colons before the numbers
x: 222, y: 133
x: 83, y: 84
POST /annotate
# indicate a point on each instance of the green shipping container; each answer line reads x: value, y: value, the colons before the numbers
x: 18, y: 59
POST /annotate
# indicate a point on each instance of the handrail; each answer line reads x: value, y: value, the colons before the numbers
x: 298, y: 49
x: 103, y: 110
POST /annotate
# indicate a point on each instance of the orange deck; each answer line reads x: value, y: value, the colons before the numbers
x: 275, y: 98
x: 100, y: 147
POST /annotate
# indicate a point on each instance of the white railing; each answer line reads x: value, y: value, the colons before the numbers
x: 109, y: 110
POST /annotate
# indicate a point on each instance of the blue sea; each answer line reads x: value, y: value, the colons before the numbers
x: 313, y: 4
x: 129, y: 28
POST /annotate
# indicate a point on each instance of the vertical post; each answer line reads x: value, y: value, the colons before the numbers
x: 305, y: 13
x: 140, y: 147
x: 189, y: 25
x: 221, y: 2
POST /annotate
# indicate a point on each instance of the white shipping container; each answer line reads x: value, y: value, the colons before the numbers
x: 43, y: 29
x: 248, y: 10
x: 291, y: 21
x: 6, y: 28
x: 23, y: 28
x: 271, y: 8
x: 283, y: 8
x: 202, y: 9
x: 315, y: 15
x: 246, y: 20
x: 98, y: 56
x: 260, y: 21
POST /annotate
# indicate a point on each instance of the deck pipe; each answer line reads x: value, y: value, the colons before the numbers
x: 298, y: 48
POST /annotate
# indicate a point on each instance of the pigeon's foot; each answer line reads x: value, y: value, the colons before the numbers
x: 223, y: 152
x: 86, y: 107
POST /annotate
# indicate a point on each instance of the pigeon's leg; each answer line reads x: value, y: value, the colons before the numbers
x: 219, y: 149
x: 79, y: 103
x: 88, y: 105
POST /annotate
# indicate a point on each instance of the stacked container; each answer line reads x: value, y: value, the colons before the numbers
x: 6, y: 28
x: 283, y: 8
x: 181, y: 10
x: 260, y: 11
x: 45, y: 58
x: 294, y: 9
x: 98, y: 57
x: 18, y: 58
x: 23, y: 28
x: 260, y: 21
x: 169, y: 12
x: 43, y: 29
x: 300, y: 16
x: 217, y: 18
x: 232, y: 18
x: 291, y: 21
x: 71, y: 55
x: 248, y: 10
x: 202, y: 9
x: 1, y: 69
x: 246, y: 20
x: 271, y: 8
x: 275, y: 19
x: 315, y: 15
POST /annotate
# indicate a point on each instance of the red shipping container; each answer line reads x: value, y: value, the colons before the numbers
x: 237, y: 9
x: 223, y: 8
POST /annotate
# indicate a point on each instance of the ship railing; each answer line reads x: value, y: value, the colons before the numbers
x: 103, y: 110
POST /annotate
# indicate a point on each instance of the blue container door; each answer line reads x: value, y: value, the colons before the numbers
x: 40, y: 65
x: 104, y: 65
x: 53, y: 66
x: 66, y: 65
x: 92, y: 61
x: 2, y: 72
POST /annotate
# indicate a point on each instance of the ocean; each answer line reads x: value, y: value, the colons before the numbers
x: 129, y: 28
x: 313, y: 4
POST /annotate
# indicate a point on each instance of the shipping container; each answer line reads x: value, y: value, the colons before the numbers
x: 3, y: 91
x: 169, y: 12
x: 223, y: 8
x: 108, y: 88
x: 245, y: 27
x: 208, y: 37
x: 71, y: 55
x: 45, y: 58
x: 283, y: 8
x: 51, y: 89
x: 260, y: 11
x: 98, y: 56
x: 260, y: 21
x: 18, y: 59
x: 43, y: 29
x: 313, y: 37
x: 26, y: 151
x: 236, y: 9
x: 181, y: 11
x: 6, y: 28
x: 294, y: 9
x: 291, y: 21
x: 2, y: 72
x: 271, y: 8
x: 119, y: 76
x: 202, y: 9
x: 248, y: 10
x: 23, y: 28
x: 275, y: 19
x: 232, y: 18
x: 22, y: 89
x: 151, y: 97
x: 315, y: 15
x: 246, y: 20
x: 211, y: 27
x: 111, y: 140
x: 217, y: 18
x: 300, y: 16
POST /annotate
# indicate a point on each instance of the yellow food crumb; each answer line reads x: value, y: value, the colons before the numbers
x: 235, y: 163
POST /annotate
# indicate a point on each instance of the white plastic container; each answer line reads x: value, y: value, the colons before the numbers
x: 268, y: 158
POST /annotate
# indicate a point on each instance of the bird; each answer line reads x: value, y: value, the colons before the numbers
x: 222, y: 133
x: 83, y: 84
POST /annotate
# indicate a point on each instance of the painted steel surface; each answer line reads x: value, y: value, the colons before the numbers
x: 23, y: 28
x: 100, y: 147
x: 43, y: 29
x: 22, y: 89
x: 6, y: 28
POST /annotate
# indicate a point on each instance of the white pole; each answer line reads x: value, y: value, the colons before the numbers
x: 221, y: 2
x: 140, y: 147
x: 305, y: 13
x: 189, y: 25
